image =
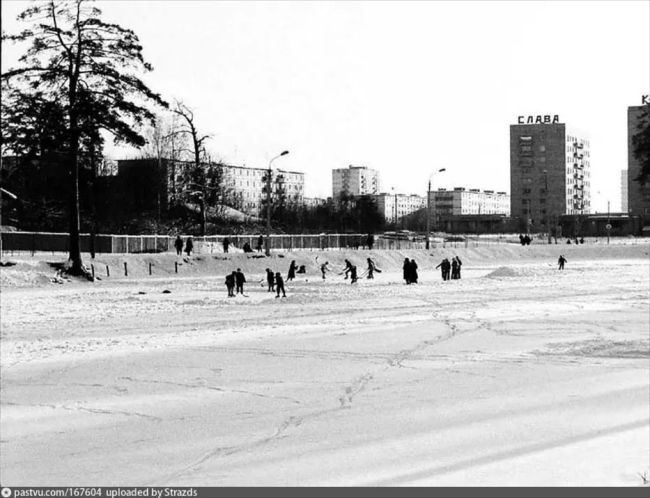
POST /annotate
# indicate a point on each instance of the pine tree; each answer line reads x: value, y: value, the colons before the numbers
x: 89, y: 66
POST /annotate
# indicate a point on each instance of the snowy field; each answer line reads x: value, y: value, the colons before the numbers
x: 518, y: 374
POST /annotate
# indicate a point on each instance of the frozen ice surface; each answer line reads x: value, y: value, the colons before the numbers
x: 540, y: 378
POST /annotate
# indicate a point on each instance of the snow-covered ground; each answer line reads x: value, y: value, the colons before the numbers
x: 518, y: 374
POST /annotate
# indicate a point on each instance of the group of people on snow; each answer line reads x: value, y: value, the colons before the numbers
x: 450, y: 270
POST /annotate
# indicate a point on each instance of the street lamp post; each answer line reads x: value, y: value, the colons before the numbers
x: 268, y: 203
x: 429, y: 207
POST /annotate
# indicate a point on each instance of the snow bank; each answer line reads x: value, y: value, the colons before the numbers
x: 38, y: 271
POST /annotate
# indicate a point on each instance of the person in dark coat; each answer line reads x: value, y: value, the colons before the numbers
x: 414, y: 272
x: 460, y: 263
x: 226, y: 243
x: 230, y: 284
x: 292, y: 271
x: 260, y: 243
x: 302, y: 269
x: 406, y: 270
x: 279, y: 285
x: 454, y: 269
x: 178, y: 244
x: 353, y: 274
x: 444, y: 268
x: 240, y: 279
x: 371, y: 269
x: 270, y: 280
x: 247, y: 247
x: 561, y: 260
x: 189, y: 246
x: 324, y: 268
x: 348, y: 268
x: 370, y: 241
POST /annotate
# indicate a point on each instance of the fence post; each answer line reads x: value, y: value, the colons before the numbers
x: 126, y: 271
x: 149, y: 268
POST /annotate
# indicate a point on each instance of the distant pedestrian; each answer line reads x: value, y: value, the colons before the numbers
x: 353, y: 274
x: 260, y: 243
x: 292, y: 271
x: 270, y: 280
x: 527, y: 240
x: 347, y: 269
x: 406, y: 271
x: 371, y: 269
x: 582, y: 240
x: 247, y: 247
x: 189, y: 246
x: 230, y: 284
x: 178, y: 244
x: 240, y: 279
x: 454, y: 269
x: 370, y: 241
x: 226, y: 243
x: 444, y: 266
x: 460, y: 263
x: 561, y: 260
x: 568, y: 241
x: 324, y: 268
x: 414, y: 272
x: 521, y: 240
x: 279, y: 285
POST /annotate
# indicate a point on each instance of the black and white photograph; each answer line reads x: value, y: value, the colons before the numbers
x: 353, y: 245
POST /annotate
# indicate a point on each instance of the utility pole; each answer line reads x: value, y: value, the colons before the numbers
x: 429, y: 206
x: 268, y: 203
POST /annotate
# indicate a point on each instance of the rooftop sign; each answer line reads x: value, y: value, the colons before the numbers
x: 545, y: 119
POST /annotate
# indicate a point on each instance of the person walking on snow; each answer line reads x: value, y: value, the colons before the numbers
x: 371, y: 269
x: 239, y: 281
x: 226, y: 243
x: 279, y: 285
x: 178, y: 244
x: 348, y: 268
x: 353, y: 274
x: 324, y: 268
x: 292, y: 271
x: 561, y: 260
x: 189, y: 246
x: 406, y: 270
x: 260, y: 243
x: 270, y: 280
x: 460, y: 263
x: 414, y: 271
x: 230, y: 284
x: 454, y: 269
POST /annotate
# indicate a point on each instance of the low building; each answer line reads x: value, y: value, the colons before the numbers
x: 162, y: 183
x: 461, y: 201
x: 394, y: 207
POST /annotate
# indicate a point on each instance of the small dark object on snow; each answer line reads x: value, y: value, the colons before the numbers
x: 166, y: 291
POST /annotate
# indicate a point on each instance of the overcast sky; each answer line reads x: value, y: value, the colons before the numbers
x: 405, y: 88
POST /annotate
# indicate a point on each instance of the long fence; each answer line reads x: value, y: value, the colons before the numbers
x: 132, y: 244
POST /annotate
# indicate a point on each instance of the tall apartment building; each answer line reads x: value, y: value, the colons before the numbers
x: 549, y: 171
x: 468, y: 201
x: 394, y: 207
x: 638, y: 195
x: 355, y: 180
x: 623, y: 191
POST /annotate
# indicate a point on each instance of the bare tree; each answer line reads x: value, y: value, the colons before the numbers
x: 198, y: 177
